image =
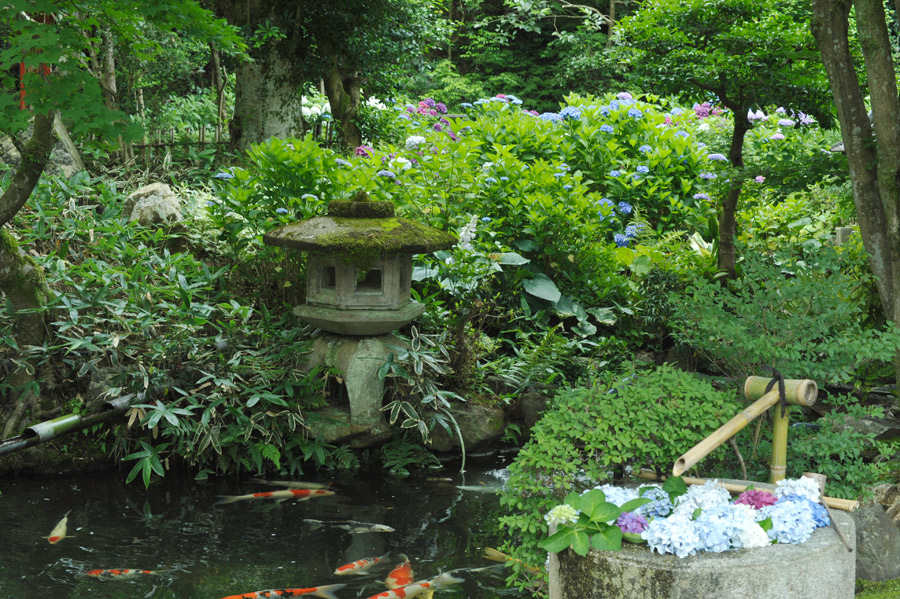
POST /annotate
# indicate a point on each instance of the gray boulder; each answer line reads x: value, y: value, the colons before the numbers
x: 877, y: 544
x: 152, y: 205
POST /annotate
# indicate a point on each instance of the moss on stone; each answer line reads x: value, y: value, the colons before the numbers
x: 358, y: 242
x: 360, y: 209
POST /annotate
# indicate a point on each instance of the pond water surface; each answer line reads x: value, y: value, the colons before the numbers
x: 208, y: 551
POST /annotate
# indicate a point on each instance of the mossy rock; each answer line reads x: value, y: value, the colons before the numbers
x: 360, y: 209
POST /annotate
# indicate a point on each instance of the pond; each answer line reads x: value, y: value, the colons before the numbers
x: 203, y: 550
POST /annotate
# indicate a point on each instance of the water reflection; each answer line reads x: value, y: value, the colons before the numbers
x: 207, y: 551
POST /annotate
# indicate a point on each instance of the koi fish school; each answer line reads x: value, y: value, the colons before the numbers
x: 416, y: 589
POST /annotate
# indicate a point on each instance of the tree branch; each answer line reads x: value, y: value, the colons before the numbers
x: 34, y: 160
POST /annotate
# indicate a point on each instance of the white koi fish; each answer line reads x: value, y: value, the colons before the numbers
x: 59, y: 531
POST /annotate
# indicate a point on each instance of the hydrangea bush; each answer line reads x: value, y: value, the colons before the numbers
x: 702, y: 518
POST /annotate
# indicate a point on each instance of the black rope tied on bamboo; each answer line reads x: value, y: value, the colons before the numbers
x: 777, y: 377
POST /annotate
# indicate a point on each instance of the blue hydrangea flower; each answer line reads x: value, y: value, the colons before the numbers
x: 682, y: 134
x: 645, y: 148
x: 614, y: 105
x: 786, y: 123
x: 635, y: 113
x: 567, y: 187
x: 626, y: 102
x: 223, y: 175
x: 405, y: 117
x: 792, y: 521
x: 281, y: 210
x: 570, y: 113
x: 701, y: 145
x: 819, y: 514
x: 485, y: 219
x: 562, y: 167
x: 660, y: 504
x: 705, y: 175
x: 607, y: 128
x: 210, y: 203
x: 702, y: 196
x: 341, y: 162
x: 625, y: 208
x: 716, y: 526
x: 615, y: 173
x: 466, y: 104
x: 490, y: 180
x: 504, y: 178
x: 676, y: 111
x: 386, y: 173
x: 704, y: 496
x: 550, y: 116
x: 621, y: 240
x: 604, y: 110
x: 675, y: 534
x: 642, y: 169
x: 718, y: 157
x: 804, y: 486
x: 559, y: 174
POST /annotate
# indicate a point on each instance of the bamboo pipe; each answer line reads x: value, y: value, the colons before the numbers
x: 778, y: 463
x: 798, y: 392
x: 50, y: 429
x: 847, y: 505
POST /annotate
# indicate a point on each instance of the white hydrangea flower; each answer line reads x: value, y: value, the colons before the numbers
x: 562, y: 514
x: 617, y: 495
x: 704, y: 496
x: 803, y: 486
x: 400, y: 163
x: 703, y: 127
x: 414, y: 141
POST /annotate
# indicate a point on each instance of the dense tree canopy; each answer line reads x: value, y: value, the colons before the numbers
x: 741, y: 54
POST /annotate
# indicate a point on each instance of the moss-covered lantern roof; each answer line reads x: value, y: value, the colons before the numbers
x: 358, y: 231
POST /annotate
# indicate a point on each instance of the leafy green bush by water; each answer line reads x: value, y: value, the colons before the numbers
x: 590, y: 435
x: 795, y: 315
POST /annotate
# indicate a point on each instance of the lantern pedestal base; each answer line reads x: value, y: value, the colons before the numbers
x: 821, y: 568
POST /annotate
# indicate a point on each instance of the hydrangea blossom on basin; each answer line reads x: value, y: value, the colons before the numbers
x: 683, y: 521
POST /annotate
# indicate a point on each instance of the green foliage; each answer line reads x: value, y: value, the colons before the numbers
x: 796, y: 315
x: 224, y: 380
x: 587, y: 434
x: 749, y: 53
x: 838, y: 451
x: 400, y: 456
x: 595, y: 526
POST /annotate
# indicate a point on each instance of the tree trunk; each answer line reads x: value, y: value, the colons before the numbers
x: 344, y: 97
x: 727, y: 218
x: 267, y: 101
x: 21, y: 279
x: 874, y: 161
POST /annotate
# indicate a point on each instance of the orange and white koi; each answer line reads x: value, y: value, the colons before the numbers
x: 279, y: 496
x: 401, y: 575
x: 360, y: 566
x: 59, y: 531
x: 326, y: 592
x: 417, y: 588
x: 290, y: 484
x: 122, y: 574
x: 351, y: 526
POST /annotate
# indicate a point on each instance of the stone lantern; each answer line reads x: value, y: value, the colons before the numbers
x: 359, y: 271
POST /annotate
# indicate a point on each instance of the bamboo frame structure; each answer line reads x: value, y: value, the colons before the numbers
x: 847, y: 505
x: 801, y: 392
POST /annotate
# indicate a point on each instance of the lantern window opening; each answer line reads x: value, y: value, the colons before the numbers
x: 372, y: 282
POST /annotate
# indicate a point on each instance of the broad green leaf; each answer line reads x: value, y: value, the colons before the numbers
x: 542, y: 287
x: 608, y: 540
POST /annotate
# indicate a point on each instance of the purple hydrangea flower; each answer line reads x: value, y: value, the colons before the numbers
x: 441, y: 107
x: 708, y: 175
x: 756, y: 498
x: 786, y: 123
x: 759, y: 179
x: 386, y: 173
x: 631, y: 522
x: 702, y: 196
x: 364, y: 151
x: 777, y: 137
x: 718, y: 157
x: 624, y: 96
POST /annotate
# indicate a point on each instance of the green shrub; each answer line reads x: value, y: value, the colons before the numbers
x: 590, y: 434
x: 795, y: 315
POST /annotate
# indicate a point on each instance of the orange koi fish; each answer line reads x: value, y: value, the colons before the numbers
x: 401, y: 575
x: 59, y: 531
x: 279, y: 496
x: 326, y: 592
x: 124, y: 574
x: 417, y: 588
x: 360, y: 566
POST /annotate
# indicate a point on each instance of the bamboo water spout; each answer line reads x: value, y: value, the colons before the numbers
x: 801, y: 392
x: 50, y: 429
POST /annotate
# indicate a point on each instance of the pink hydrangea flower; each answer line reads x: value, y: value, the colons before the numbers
x: 756, y: 498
